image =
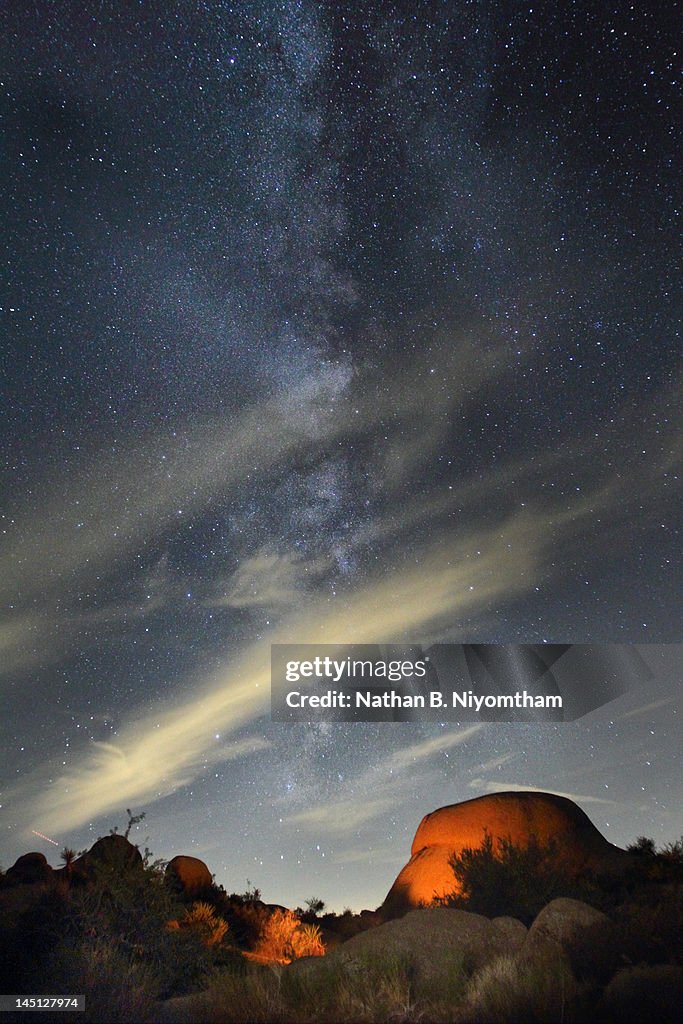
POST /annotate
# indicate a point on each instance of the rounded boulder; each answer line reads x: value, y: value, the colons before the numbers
x: 515, y: 816
x: 190, y: 874
x: 29, y: 869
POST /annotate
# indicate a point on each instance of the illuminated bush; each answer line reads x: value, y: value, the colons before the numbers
x: 307, y: 941
x: 201, y: 918
x: 284, y: 938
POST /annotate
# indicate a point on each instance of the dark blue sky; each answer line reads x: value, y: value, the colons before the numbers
x: 329, y: 321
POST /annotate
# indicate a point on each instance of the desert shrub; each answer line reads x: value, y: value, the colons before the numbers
x: 373, y: 987
x: 315, y: 905
x: 132, y: 918
x: 117, y: 986
x: 650, y: 926
x: 203, y: 920
x: 348, y: 924
x: 377, y: 989
x: 307, y: 940
x: 32, y: 925
x: 508, y: 991
x: 275, y: 939
x: 646, y: 875
x: 640, y: 995
x: 669, y: 856
x: 246, y: 918
x: 504, y: 879
x: 232, y: 997
x: 284, y: 938
x: 642, y: 847
x: 127, y: 904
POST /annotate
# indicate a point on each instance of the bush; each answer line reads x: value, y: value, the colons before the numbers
x: 650, y: 926
x: 503, y: 879
x: 307, y: 941
x: 202, y: 919
x: 118, y: 987
x: 31, y: 927
x: 284, y: 938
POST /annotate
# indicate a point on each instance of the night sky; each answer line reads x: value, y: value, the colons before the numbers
x: 326, y: 321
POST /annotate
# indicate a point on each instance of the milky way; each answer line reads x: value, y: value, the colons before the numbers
x: 347, y: 322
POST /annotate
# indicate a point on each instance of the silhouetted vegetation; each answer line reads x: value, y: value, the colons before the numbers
x: 111, y: 925
x: 502, y: 878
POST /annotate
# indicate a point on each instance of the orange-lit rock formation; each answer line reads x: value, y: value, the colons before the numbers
x: 517, y: 816
x: 190, y: 874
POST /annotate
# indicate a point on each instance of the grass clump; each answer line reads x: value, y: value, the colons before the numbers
x: 363, y: 990
x: 202, y: 920
x: 512, y: 991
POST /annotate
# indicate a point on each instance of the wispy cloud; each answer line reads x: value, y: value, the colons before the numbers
x: 645, y: 709
x: 502, y: 787
x: 20, y: 643
x: 427, y: 588
x: 342, y: 816
x: 156, y: 753
x: 269, y: 579
x: 388, y: 782
x: 368, y: 855
x: 427, y: 749
x: 496, y: 762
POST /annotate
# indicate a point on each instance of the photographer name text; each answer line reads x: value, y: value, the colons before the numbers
x: 359, y: 699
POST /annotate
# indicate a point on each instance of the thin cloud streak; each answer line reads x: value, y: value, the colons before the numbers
x: 342, y: 816
x: 647, y: 708
x: 425, y: 591
x: 504, y: 787
x: 428, y: 748
x: 167, y: 750
x: 387, y: 780
x: 496, y: 762
x: 123, y: 500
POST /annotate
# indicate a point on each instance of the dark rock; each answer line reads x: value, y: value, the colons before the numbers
x: 559, y: 925
x: 640, y: 995
x: 510, y: 931
x: 113, y: 852
x: 435, y: 943
x: 29, y: 869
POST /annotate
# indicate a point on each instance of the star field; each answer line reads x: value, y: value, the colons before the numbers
x: 330, y: 321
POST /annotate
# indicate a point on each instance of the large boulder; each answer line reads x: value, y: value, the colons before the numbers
x: 113, y: 853
x: 578, y: 934
x: 189, y: 874
x: 434, y: 943
x: 518, y: 816
x: 433, y: 936
x: 114, y: 849
x: 29, y: 869
x: 561, y: 925
x: 642, y: 994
